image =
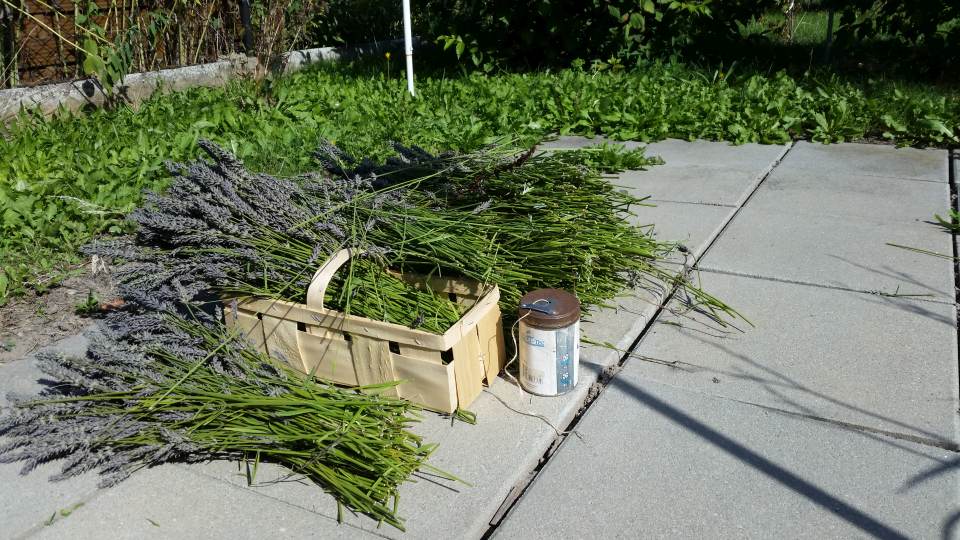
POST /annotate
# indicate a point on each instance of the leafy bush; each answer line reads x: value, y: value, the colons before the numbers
x: 874, y: 38
x: 931, y: 23
x: 65, y: 179
x: 351, y: 22
x: 922, y: 35
x: 537, y: 33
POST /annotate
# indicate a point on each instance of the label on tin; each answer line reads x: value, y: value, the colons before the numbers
x: 549, y: 359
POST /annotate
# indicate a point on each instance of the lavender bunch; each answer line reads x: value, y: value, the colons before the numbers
x: 222, y: 230
x: 513, y: 217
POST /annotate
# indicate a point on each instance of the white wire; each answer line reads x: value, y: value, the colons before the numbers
x: 516, y: 354
x: 514, y: 332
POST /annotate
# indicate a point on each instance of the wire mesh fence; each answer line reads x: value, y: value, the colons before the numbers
x: 47, y: 41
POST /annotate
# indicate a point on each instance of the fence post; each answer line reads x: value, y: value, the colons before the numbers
x: 8, y: 60
x: 3, y: 46
x: 59, y: 28
x: 829, y: 41
x: 247, y: 28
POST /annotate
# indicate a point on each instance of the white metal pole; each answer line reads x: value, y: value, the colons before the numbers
x: 408, y: 45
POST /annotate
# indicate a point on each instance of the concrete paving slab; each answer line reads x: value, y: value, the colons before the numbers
x: 868, y: 159
x: 702, y: 184
x: 749, y: 157
x: 169, y: 502
x: 693, y: 225
x: 702, y: 172
x: 887, y: 364
x: 823, y: 224
x: 837, y: 252
x: 22, y: 376
x: 655, y: 461
x: 871, y: 199
x: 696, y: 172
x: 27, y: 501
x: 826, y: 213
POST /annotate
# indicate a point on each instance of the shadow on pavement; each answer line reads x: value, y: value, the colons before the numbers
x: 929, y: 474
x: 913, y: 307
x: 896, y: 275
x: 775, y: 472
x: 950, y: 525
x: 783, y: 381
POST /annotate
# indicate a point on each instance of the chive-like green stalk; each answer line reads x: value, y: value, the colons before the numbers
x: 233, y: 402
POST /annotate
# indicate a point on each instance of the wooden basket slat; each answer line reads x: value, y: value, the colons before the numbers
x: 373, y: 362
x: 282, y: 341
x: 248, y: 325
x: 335, y: 320
x: 468, y: 366
x: 489, y: 330
x: 328, y: 357
x: 421, y: 353
x: 428, y: 383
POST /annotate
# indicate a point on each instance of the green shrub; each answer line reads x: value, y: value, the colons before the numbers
x: 922, y: 35
x: 538, y: 33
x: 876, y: 38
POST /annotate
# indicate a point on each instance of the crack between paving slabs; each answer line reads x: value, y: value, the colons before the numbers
x: 848, y: 426
x: 761, y: 277
x: 906, y: 178
x: 698, y: 203
x: 606, y: 376
x: 952, y: 157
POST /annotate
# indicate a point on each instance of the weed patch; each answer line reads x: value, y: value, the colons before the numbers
x: 66, y: 179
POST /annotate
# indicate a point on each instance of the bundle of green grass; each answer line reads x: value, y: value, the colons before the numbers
x: 503, y: 215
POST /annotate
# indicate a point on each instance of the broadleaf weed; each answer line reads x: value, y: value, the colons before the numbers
x: 107, y: 158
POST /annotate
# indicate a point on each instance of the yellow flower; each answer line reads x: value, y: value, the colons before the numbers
x: 387, y: 55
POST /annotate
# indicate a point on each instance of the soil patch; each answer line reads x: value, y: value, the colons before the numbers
x: 36, y: 320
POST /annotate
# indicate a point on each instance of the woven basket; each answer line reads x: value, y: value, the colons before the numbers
x: 439, y: 372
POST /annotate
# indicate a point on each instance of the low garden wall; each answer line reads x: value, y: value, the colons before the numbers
x: 74, y: 96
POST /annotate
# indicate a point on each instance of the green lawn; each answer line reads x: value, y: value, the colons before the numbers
x: 809, y: 28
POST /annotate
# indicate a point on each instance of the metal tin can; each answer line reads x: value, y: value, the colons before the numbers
x: 549, y: 345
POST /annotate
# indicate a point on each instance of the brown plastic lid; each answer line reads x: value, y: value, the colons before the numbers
x: 549, y: 308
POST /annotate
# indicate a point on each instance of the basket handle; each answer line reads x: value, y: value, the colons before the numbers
x: 318, y: 285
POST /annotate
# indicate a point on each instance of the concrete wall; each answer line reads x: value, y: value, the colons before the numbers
x: 137, y: 87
